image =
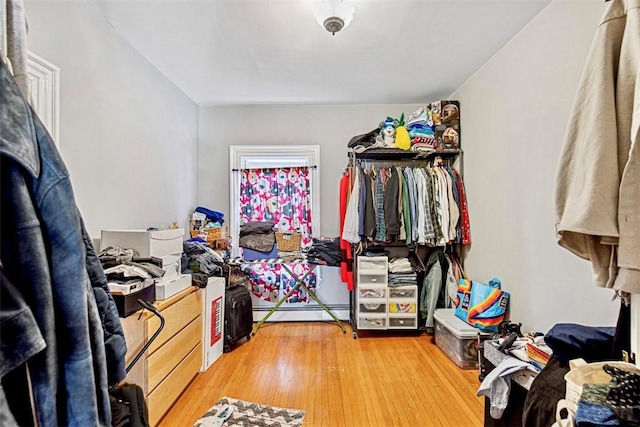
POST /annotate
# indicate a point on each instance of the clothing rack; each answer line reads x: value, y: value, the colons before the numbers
x: 372, y: 160
x: 279, y: 167
x: 411, y: 159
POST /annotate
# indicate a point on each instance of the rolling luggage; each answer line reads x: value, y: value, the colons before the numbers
x: 238, y: 316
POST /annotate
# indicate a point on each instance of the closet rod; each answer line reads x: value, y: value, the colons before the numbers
x: 282, y: 167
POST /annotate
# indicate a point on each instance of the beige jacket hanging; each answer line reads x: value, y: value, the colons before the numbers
x: 597, y: 200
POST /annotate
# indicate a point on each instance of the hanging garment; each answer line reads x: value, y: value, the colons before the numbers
x: 369, y: 207
x: 464, y: 211
x: 346, y: 257
x: 46, y: 254
x: 381, y: 232
x: 434, y: 281
x: 13, y: 41
x: 391, y: 222
x: 597, y: 194
x: 403, y: 231
x: 350, y: 230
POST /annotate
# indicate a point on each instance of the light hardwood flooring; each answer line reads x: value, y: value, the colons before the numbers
x: 378, y: 379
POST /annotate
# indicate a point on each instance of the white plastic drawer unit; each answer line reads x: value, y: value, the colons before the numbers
x: 372, y: 293
x: 372, y: 322
x: 404, y: 292
x: 402, y: 307
x: 372, y: 307
x: 372, y: 280
x: 373, y: 265
x: 400, y: 322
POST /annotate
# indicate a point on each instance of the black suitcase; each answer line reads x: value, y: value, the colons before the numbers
x: 238, y: 316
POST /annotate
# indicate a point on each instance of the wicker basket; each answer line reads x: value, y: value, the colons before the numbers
x: 288, y: 242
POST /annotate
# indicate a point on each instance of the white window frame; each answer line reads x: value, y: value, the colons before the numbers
x: 271, y: 156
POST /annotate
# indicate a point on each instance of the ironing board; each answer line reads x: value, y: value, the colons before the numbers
x: 299, y: 283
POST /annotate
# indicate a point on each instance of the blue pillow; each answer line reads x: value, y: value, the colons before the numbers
x: 251, y: 255
x: 571, y: 341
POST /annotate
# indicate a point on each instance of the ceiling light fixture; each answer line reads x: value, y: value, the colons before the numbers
x: 333, y: 15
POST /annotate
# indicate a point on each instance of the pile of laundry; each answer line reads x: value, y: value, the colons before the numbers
x: 201, y: 262
x: 125, y: 271
x: 258, y: 240
x: 324, y: 251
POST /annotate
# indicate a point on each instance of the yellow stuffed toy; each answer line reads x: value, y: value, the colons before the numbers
x: 403, y: 141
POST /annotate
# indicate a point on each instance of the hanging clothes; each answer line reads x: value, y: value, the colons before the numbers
x: 64, y: 298
x: 346, y: 257
x: 392, y: 223
x: 350, y: 230
x: 423, y: 205
x: 597, y: 194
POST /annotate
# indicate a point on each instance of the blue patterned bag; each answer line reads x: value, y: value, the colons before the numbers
x: 482, y: 306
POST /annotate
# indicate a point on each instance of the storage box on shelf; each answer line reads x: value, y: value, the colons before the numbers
x: 457, y: 339
x: 174, y: 357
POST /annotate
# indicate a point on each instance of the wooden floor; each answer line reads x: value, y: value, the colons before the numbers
x: 394, y: 379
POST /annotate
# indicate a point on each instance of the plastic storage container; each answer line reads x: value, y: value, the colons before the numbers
x: 457, y: 339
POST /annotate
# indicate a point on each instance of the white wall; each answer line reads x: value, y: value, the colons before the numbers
x: 127, y: 134
x: 514, y: 115
x: 330, y: 126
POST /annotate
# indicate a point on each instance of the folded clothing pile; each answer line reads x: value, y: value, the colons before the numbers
x: 324, y: 251
x: 401, y: 273
x: 201, y: 262
x: 258, y: 240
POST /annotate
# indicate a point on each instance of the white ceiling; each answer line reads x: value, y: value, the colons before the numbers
x: 274, y: 52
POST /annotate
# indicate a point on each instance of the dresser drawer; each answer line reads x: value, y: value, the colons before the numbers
x: 410, y: 292
x: 372, y: 293
x: 399, y: 322
x: 176, y: 317
x: 163, y: 361
x: 372, y: 322
x: 372, y: 280
x: 372, y: 307
x: 373, y: 264
x: 161, y: 399
x: 402, y: 307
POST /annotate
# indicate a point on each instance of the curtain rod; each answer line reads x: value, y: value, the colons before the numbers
x: 281, y: 167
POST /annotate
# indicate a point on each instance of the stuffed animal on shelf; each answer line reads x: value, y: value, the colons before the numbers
x: 403, y: 141
x: 388, y: 132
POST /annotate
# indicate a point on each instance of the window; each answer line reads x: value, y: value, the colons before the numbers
x: 243, y: 157
x: 275, y: 184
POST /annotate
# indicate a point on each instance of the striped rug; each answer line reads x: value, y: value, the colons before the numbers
x: 248, y: 414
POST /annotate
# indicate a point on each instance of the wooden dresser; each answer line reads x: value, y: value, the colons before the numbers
x: 175, y: 356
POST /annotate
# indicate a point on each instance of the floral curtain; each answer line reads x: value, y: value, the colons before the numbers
x: 281, y: 195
